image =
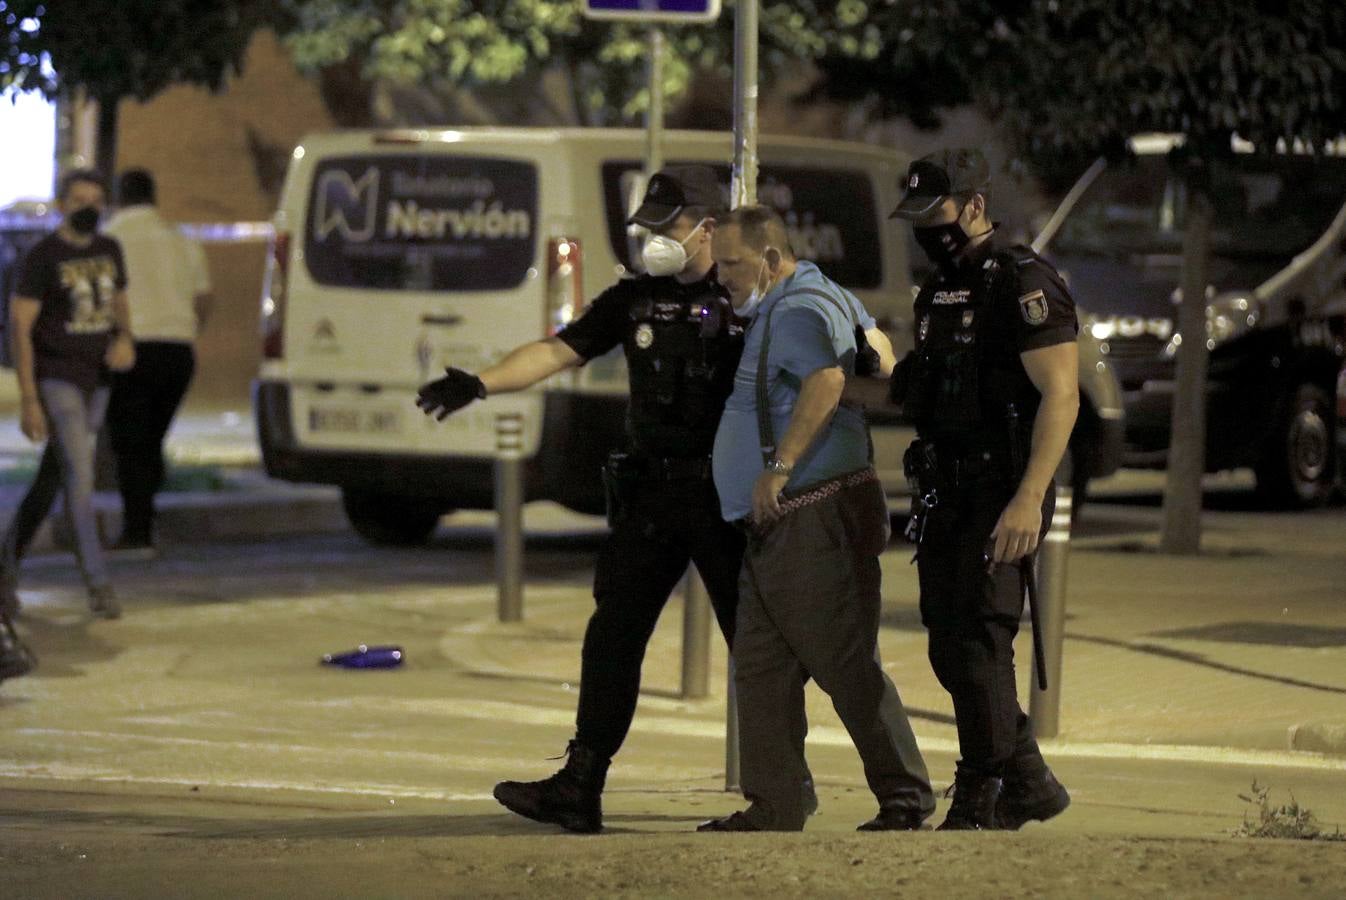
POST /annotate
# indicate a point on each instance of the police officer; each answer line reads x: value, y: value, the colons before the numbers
x: 682, y: 345
x: 992, y: 388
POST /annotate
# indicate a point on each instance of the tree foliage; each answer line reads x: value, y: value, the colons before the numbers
x: 119, y: 49
x: 124, y: 48
x: 1083, y: 75
x: 479, y: 43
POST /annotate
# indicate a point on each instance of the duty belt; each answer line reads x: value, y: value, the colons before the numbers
x: 676, y: 468
x: 968, y: 468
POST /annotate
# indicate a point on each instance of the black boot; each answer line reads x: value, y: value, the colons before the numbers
x: 974, y: 802
x: 15, y: 657
x: 894, y: 818
x: 572, y: 798
x: 1030, y: 798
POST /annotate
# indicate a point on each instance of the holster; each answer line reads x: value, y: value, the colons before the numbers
x: 919, y: 465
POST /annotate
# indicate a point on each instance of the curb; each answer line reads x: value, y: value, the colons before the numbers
x: 198, y: 518
x: 1318, y: 737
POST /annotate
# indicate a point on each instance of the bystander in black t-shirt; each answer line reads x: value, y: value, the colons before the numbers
x: 75, y: 286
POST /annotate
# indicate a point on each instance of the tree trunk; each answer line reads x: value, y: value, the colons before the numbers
x: 106, y: 155
x: 1181, y: 530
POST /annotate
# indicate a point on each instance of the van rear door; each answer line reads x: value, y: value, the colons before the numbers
x: 410, y: 258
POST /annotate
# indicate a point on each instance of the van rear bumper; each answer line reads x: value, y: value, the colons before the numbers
x: 578, y: 431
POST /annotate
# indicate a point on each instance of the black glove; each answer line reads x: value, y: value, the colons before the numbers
x: 867, y: 360
x: 449, y: 394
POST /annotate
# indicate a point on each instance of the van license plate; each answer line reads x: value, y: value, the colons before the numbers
x: 338, y: 420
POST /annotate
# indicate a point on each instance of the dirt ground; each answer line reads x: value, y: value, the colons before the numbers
x: 921, y: 865
x: 76, y: 845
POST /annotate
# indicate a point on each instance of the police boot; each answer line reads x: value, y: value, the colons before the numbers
x: 572, y: 798
x: 15, y: 657
x: 1030, y: 798
x: 974, y: 803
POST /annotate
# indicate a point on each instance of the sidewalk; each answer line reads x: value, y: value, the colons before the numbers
x: 1242, y: 648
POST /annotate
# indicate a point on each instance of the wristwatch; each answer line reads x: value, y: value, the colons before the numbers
x: 776, y: 467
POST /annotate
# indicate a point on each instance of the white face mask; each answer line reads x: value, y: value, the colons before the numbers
x: 758, y: 292
x: 663, y: 255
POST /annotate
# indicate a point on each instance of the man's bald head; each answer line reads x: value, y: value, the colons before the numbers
x: 760, y: 227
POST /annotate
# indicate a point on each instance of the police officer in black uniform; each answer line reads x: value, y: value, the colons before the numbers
x: 682, y: 345
x: 992, y: 388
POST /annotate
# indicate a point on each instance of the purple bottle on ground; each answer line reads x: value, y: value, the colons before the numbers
x: 365, y: 657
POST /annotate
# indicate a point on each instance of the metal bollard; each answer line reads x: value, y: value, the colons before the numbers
x: 731, y: 775
x: 695, y: 638
x: 1044, y: 707
x: 509, y: 516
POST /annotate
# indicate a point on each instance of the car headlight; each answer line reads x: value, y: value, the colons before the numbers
x: 1228, y: 316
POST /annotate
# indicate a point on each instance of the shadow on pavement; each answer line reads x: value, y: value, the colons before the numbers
x: 1272, y: 634
x: 1198, y: 659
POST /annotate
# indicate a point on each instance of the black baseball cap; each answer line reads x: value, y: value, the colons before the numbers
x: 674, y: 187
x: 960, y: 170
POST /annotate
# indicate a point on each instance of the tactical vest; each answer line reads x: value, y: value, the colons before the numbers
x: 949, y: 394
x: 681, y: 351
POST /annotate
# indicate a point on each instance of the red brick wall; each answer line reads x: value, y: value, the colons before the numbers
x: 217, y: 158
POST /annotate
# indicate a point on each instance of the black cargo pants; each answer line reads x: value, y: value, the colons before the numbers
x: 973, y: 617
x: 666, y: 523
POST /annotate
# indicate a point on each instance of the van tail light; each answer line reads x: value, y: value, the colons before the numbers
x: 274, y: 288
x: 565, y: 285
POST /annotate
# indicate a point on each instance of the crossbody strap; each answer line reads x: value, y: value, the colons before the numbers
x: 766, y: 435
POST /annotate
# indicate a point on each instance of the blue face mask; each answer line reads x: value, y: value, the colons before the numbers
x: 755, y: 298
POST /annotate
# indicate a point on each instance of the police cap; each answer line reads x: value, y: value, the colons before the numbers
x: 960, y: 170
x: 673, y: 188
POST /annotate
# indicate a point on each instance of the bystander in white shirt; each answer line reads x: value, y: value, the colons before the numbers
x: 169, y: 279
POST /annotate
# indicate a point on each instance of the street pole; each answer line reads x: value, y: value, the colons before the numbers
x: 1044, y: 706
x: 742, y: 192
x: 731, y: 766
x: 654, y: 115
x: 695, y: 638
x: 509, y: 516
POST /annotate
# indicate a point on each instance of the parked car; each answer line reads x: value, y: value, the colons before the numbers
x: 397, y: 253
x: 1276, y: 304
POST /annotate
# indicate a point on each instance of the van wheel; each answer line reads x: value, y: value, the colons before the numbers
x: 389, y: 520
x: 1296, y: 469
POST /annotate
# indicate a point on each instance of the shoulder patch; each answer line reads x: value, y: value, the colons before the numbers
x: 1033, y: 306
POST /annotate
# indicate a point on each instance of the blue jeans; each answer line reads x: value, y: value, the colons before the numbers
x: 74, y: 416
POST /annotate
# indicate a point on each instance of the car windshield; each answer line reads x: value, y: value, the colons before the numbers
x: 1267, y: 210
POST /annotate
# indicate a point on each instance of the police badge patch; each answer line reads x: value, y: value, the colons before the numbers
x: 924, y: 329
x: 644, y: 336
x: 1033, y: 305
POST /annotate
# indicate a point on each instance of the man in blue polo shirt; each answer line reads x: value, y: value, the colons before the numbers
x: 800, y: 480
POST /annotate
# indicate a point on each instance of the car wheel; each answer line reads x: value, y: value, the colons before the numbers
x: 1296, y: 469
x: 390, y: 520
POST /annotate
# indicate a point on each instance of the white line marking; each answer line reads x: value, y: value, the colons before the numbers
x: 829, y: 735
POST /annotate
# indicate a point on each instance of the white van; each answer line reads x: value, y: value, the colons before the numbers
x: 399, y: 253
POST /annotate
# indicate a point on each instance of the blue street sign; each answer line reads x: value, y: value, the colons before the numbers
x: 653, y: 10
